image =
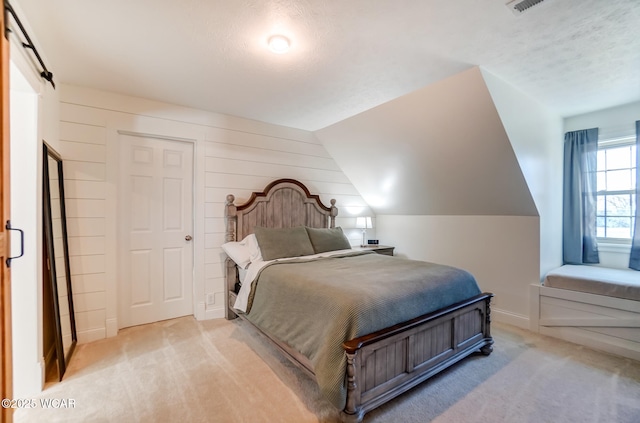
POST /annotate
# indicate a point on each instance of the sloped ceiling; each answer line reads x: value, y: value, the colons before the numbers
x: 346, y: 57
x: 441, y: 150
x: 349, y: 61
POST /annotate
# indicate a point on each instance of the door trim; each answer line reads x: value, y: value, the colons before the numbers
x: 6, y: 362
x: 119, y: 213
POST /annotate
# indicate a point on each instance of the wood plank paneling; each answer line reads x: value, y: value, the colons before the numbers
x: 84, y: 171
x: 86, y: 226
x: 83, y: 265
x: 261, y: 155
x: 82, y: 115
x: 295, y: 171
x: 218, y: 137
x: 77, y: 132
x: 238, y: 159
x: 84, y: 189
x: 86, y: 245
x: 93, y: 282
x: 83, y: 207
x: 92, y: 319
x: 89, y: 301
x: 83, y: 150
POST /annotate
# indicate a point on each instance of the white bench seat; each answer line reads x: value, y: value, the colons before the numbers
x: 589, y: 305
x: 619, y: 283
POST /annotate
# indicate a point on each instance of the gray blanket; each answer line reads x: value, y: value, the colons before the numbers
x: 316, y: 305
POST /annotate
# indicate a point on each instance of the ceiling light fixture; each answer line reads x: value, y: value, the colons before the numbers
x: 279, y: 44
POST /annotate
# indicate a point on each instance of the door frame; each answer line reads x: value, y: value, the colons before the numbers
x: 120, y: 213
x: 17, y: 59
x: 6, y: 362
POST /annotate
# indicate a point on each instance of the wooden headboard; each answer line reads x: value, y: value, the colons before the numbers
x: 285, y: 203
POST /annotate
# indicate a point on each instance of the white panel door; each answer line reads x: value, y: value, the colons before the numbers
x: 156, y: 220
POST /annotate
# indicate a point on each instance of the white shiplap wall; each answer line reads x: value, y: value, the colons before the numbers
x: 239, y: 163
x: 83, y: 148
x: 233, y: 156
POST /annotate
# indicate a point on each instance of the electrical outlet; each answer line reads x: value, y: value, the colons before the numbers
x: 210, y: 299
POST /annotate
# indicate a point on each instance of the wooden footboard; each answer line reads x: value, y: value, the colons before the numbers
x: 382, y: 365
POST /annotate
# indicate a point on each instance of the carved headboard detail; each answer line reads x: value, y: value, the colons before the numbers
x: 284, y: 203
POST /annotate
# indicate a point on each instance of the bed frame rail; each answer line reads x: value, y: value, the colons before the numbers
x: 384, y: 364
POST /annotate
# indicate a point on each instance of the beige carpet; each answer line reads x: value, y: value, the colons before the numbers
x: 218, y: 371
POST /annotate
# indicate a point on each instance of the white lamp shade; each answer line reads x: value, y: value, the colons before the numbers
x: 364, y: 222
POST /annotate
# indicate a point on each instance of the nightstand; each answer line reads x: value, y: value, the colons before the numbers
x: 380, y: 249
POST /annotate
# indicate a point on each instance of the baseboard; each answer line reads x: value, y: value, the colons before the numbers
x: 91, y: 335
x: 534, y: 307
x: 201, y: 311
x: 214, y: 313
x: 48, y: 357
x: 44, y: 364
x: 112, y: 327
x: 47, y: 362
x: 509, y: 318
x: 609, y: 344
x: 207, y: 313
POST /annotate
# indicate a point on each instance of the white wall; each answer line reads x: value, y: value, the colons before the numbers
x: 83, y: 151
x: 502, y: 252
x: 441, y: 150
x: 458, y: 173
x: 614, y: 122
x: 233, y: 156
x: 537, y: 139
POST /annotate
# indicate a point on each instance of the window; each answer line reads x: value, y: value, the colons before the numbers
x: 616, y: 176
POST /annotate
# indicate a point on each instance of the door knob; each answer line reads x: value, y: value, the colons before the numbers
x: 188, y: 238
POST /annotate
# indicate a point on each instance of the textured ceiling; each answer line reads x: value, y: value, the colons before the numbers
x: 574, y: 56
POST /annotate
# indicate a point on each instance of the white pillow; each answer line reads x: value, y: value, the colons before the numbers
x: 243, y: 252
x: 256, y: 253
x: 242, y: 274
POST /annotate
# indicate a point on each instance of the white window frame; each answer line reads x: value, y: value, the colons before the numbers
x: 604, y: 144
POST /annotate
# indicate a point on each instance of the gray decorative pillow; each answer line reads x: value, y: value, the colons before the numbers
x: 324, y: 239
x: 277, y: 243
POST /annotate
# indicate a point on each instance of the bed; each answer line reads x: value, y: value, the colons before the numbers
x: 379, y: 340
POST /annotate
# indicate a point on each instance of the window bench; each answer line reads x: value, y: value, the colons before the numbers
x: 619, y: 283
x: 593, y: 306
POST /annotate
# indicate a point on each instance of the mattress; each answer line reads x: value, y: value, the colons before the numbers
x: 619, y: 283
